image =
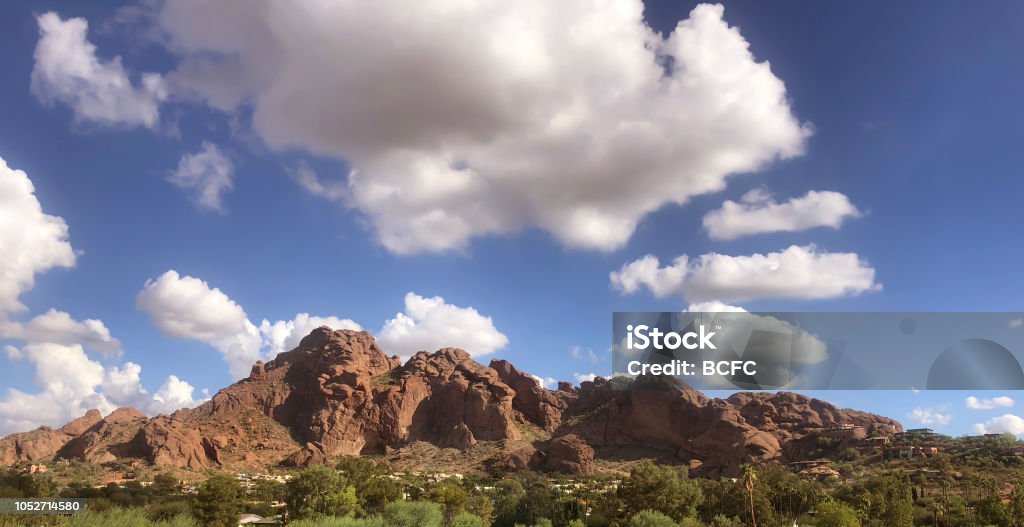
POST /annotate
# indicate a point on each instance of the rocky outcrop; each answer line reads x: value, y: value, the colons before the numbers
x: 540, y: 406
x: 569, y: 454
x: 339, y: 390
x: 44, y: 442
x: 339, y: 394
x: 166, y: 442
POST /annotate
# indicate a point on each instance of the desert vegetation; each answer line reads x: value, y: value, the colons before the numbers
x: 957, y: 488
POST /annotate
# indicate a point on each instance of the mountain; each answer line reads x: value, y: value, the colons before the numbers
x: 339, y: 394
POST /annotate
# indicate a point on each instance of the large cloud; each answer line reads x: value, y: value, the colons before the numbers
x: 32, y: 241
x: 489, y: 117
x: 758, y: 213
x: 796, y: 272
x: 189, y: 308
x: 68, y: 71
x: 1007, y: 423
x: 205, y: 176
x: 430, y: 323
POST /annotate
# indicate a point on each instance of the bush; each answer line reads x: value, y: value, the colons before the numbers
x: 336, y: 521
x: 725, y: 521
x: 466, y: 519
x: 168, y: 510
x: 413, y: 514
x: 127, y: 518
x: 834, y: 514
x: 651, y: 518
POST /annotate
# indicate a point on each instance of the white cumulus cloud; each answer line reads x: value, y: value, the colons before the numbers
x: 545, y: 382
x: 284, y: 335
x: 931, y: 416
x: 975, y: 403
x: 1007, y: 423
x: 796, y: 272
x: 757, y: 213
x: 489, y: 117
x: 186, y: 307
x: 581, y: 377
x: 33, y: 242
x: 205, y: 176
x: 68, y: 71
x: 69, y: 381
x: 58, y: 327
x: 430, y: 324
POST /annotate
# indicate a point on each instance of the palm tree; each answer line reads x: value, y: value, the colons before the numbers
x: 749, y: 477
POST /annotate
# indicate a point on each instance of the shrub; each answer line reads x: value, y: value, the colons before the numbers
x: 649, y: 518
x: 413, y: 514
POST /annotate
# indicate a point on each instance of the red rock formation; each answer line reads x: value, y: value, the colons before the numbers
x: 538, y: 405
x: 570, y: 455
x: 338, y: 393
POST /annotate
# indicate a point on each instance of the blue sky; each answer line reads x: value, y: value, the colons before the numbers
x: 911, y: 112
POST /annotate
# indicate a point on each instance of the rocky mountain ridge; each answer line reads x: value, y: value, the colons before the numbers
x: 339, y: 394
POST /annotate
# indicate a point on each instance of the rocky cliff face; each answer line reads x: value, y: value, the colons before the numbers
x: 338, y: 393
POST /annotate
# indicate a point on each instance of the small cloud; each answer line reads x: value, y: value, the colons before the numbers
x: 205, y: 176
x: 1016, y: 323
x: 989, y: 404
x: 580, y: 377
x: 1007, y: 423
x: 931, y: 416
x: 545, y: 382
x: 581, y: 353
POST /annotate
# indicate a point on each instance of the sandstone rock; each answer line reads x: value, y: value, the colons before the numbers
x: 570, y: 455
x: 540, y: 406
x: 165, y: 444
x: 311, y: 454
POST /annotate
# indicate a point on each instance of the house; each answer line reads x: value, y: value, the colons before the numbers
x: 845, y: 432
x: 820, y: 473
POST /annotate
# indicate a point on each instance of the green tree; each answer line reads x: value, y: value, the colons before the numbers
x: 649, y: 518
x: 320, y: 491
x: 664, y: 489
x: 482, y: 507
x: 165, y: 484
x: 450, y: 496
x: 749, y: 479
x: 834, y: 514
x: 507, y: 495
x: 218, y: 502
x: 374, y: 488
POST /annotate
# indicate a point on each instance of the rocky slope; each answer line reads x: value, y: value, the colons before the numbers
x: 339, y: 394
